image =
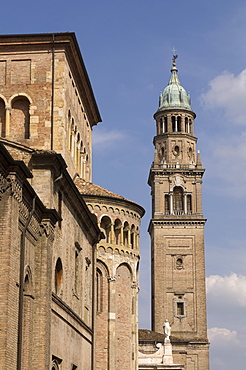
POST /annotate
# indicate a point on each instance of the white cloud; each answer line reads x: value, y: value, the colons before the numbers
x: 107, y: 138
x: 226, y: 157
x: 228, y: 92
x: 226, y: 163
x: 222, y: 336
x: 227, y: 290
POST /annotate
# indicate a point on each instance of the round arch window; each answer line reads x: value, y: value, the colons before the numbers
x: 176, y: 150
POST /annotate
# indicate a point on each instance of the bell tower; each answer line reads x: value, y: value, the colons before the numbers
x: 177, y: 228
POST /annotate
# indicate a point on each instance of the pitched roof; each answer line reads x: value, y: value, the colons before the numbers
x: 149, y: 335
x: 88, y: 188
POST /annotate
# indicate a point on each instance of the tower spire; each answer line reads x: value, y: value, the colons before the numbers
x: 175, y: 56
x: 174, y: 95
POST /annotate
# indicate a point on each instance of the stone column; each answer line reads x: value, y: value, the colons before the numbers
x: 171, y: 203
x: 191, y: 127
x: 129, y: 238
x: 111, y: 234
x: 7, y: 121
x: 121, y: 235
x: 182, y: 124
x: 73, y: 144
x: 185, y: 203
x: 169, y: 123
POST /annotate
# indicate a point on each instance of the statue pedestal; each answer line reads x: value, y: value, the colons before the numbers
x: 168, y: 356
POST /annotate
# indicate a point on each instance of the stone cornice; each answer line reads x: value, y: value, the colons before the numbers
x: 176, y: 222
x: 67, y: 309
x: 114, y: 201
x: 173, y: 110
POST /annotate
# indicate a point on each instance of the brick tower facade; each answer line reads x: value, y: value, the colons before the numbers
x: 177, y: 229
x: 47, y: 233
x: 67, y: 301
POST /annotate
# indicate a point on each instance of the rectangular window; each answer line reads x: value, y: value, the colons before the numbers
x: 180, y: 308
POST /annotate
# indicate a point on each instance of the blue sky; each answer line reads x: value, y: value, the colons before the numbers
x: 126, y: 46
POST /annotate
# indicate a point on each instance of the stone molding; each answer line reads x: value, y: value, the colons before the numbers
x: 5, y: 184
x: 111, y: 278
x: 47, y: 229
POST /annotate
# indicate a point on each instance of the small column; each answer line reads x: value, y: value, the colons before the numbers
x: 185, y: 203
x: 171, y: 203
x: 111, y: 235
x: 121, y: 235
x: 73, y: 144
x: 191, y: 128
x: 182, y: 123
x: 69, y: 137
x: 169, y: 123
x: 81, y: 165
x: 129, y: 238
x: 7, y: 121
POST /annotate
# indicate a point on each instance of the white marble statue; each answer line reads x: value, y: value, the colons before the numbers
x: 167, y: 329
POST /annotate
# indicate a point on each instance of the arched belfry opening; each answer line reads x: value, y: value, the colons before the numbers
x: 20, y: 118
x: 178, y: 200
x: 106, y: 227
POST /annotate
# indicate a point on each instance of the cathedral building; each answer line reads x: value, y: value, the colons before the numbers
x: 177, y: 233
x: 70, y: 249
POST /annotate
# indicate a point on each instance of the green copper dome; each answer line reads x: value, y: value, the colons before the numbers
x: 174, y: 95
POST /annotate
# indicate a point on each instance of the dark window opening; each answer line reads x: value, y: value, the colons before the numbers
x: 180, y: 308
x: 58, y: 276
x: 173, y: 124
x: 179, y: 124
x: 178, y: 200
x: 99, y: 291
x: 165, y: 124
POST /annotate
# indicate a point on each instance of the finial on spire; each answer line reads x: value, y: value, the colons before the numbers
x: 175, y: 56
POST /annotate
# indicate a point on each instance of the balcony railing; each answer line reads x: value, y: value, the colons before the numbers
x: 178, y: 213
x: 177, y: 166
